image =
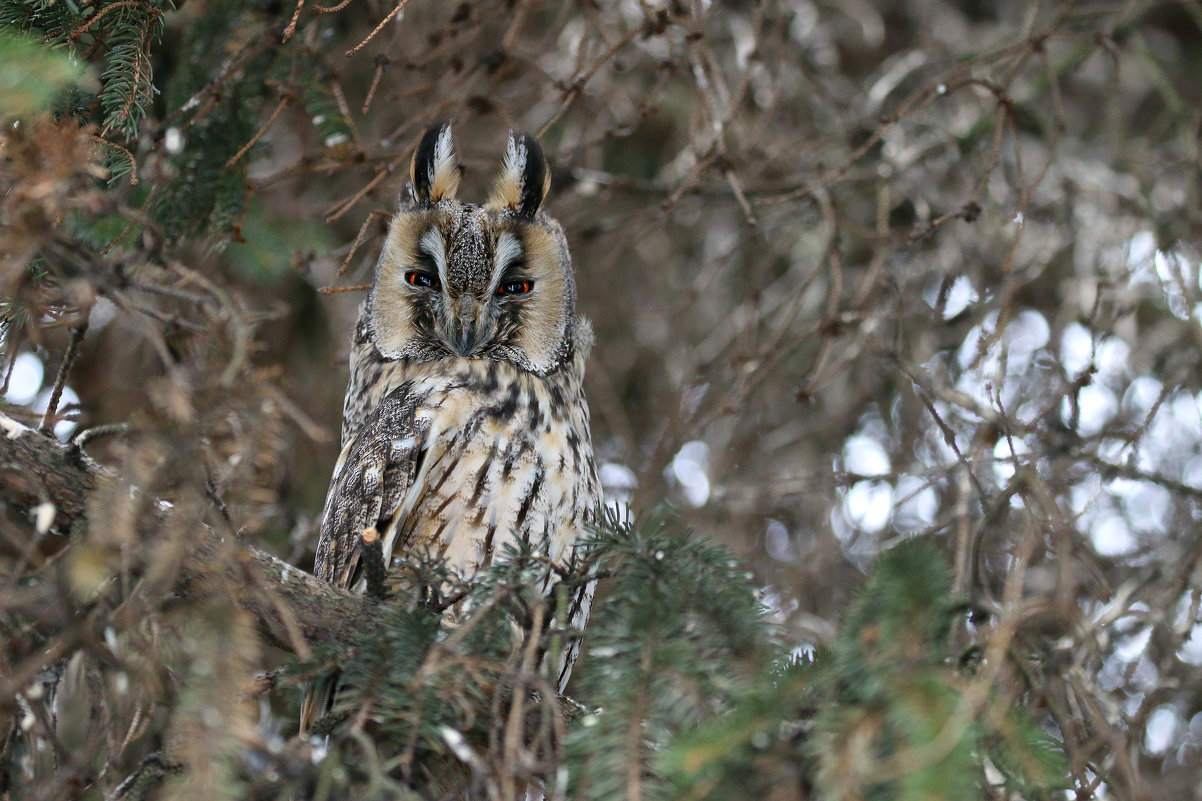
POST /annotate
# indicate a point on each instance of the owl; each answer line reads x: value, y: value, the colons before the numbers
x: 465, y: 426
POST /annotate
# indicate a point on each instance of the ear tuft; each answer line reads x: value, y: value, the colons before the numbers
x: 434, y: 172
x: 524, y: 178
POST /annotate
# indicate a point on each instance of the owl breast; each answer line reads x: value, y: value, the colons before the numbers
x: 460, y: 458
x: 507, y: 460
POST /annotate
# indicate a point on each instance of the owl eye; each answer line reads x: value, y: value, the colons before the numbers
x: 423, y: 279
x: 516, y: 286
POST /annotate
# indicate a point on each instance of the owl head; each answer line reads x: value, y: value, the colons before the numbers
x: 479, y: 282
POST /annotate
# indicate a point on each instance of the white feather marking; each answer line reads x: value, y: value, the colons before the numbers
x: 444, y: 148
x: 435, y: 450
x: 444, y: 173
x: 515, y: 160
x: 509, y: 250
x: 431, y: 242
x: 507, y: 192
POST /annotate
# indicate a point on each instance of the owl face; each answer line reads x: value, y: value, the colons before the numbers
x: 479, y: 282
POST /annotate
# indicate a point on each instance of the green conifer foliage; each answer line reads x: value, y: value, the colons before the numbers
x: 31, y: 76
x: 680, y: 638
x: 883, y: 714
x: 687, y: 691
x: 120, y: 36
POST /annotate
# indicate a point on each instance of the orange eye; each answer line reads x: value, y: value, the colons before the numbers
x: 517, y: 286
x: 419, y: 278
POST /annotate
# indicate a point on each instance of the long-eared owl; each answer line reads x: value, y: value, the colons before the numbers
x: 465, y: 425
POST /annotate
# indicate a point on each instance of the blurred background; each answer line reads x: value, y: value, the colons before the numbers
x: 859, y: 272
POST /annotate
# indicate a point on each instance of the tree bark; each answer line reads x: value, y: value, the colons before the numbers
x: 294, y: 610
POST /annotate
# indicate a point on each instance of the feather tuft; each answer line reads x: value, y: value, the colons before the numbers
x: 434, y: 172
x: 524, y: 178
x: 444, y: 171
x: 507, y: 189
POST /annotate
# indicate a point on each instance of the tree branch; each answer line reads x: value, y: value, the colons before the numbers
x: 37, y: 469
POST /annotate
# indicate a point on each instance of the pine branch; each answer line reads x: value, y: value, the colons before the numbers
x: 384, y: 649
x: 298, y: 611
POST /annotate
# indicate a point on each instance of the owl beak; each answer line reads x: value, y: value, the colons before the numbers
x: 467, y: 333
x: 465, y: 345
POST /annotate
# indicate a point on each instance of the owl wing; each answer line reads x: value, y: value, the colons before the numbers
x: 375, y: 472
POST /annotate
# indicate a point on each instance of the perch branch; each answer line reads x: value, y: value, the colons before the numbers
x: 298, y: 602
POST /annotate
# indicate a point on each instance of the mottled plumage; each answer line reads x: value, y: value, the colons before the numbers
x: 465, y: 425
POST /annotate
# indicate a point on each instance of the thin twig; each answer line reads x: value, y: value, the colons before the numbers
x: 400, y: 7
x: 285, y: 101
x: 14, y: 350
x: 291, y: 28
x: 82, y: 29
x: 345, y: 110
x: 335, y: 290
x: 381, y: 174
x: 346, y: 263
x: 60, y: 380
x: 133, y: 164
x: 83, y: 436
x: 381, y: 63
